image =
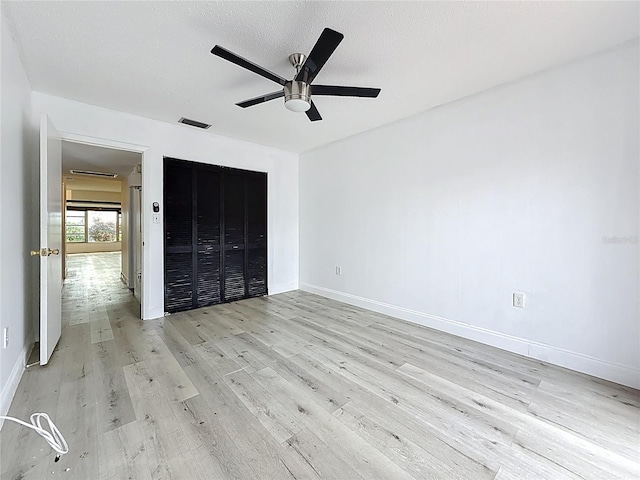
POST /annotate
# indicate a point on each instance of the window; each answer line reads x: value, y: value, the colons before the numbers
x: 86, y: 225
x: 102, y: 226
x: 75, y: 226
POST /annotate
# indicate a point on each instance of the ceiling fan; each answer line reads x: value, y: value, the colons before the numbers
x: 297, y: 92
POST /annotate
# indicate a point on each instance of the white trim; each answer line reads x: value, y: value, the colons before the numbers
x: 124, y: 279
x: 282, y: 287
x: 13, y: 381
x: 579, y: 362
x: 102, y: 142
x: 145, y: 311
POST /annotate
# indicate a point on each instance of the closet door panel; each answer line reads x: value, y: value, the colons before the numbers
x: 208, y: 237
x: 234, y: 232
x: 178, y: 206
x: 208, y: 278
x: 256, y: 257
x: 233, y: 210
x: 234, y: 284
x: 178, y: 228
x: 178, y: 284
x: 257, y: 272
x: 257, y: 210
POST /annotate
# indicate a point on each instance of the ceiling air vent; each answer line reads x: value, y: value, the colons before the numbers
x: 194, y: 123
x: 89, y: 173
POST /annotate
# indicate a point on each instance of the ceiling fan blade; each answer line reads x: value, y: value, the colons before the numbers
x: 244, y: 63
x: 261, y: 99
x: 322, y: 50
x: 339, y: 91
x: 313, y: 113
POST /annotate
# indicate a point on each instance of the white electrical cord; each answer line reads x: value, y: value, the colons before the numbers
x: 53, y: 437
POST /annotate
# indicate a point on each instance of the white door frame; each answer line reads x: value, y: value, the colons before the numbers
x: 130, y: 147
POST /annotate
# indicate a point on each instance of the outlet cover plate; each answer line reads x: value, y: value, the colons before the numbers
x: 518, y: 300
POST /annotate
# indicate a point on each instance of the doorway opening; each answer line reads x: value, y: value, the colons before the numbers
x: 102, y: 217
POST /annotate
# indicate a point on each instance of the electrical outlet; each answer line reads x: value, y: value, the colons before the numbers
x: 338, y: 271
x: 518, y: 300
x: 5, y: 337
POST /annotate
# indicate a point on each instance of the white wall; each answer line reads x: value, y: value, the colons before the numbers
x: 17, y: 168
x: 179, y: 141
x: 93, y: 247
x: 440, y: 217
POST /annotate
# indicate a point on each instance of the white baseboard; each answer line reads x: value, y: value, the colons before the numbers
x: 282, y: 287
x: 10, y: 388
x: 124, y: 279
x: 579, y: 362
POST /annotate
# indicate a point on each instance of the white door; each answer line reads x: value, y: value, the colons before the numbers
x: 50, y: 238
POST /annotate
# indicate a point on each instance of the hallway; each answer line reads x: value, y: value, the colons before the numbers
x: 78, y: 388
x: 91, y: 289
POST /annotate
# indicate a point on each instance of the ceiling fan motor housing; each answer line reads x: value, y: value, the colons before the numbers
x: 297, y: 96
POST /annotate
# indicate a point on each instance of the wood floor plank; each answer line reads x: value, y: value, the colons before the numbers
x: 180, y: 348
x: 593, y: 417
x: 247, y: 359
x: 556, y: 443
x: 167, y: 446
x: 361, y: 456
x: 258, y: 450
x: 268, y: 329
x: 404, y: 443
x: 319, y: 384
x: 279, y: 422
x: 218, y: 361
x: 320, y: 457
x: 76, y: 413
x: 100, y: 328
x: 113, y: 402
x: 142, y: 343
x: 183, y: 322
x: 123, y: 454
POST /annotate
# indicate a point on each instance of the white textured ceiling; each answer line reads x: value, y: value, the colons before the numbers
x: 98, y: 159
x: 152, y: 58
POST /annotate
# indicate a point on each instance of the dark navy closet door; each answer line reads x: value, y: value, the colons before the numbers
x: 215, y: 221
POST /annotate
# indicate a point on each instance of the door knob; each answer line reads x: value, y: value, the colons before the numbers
x: 45, y: 252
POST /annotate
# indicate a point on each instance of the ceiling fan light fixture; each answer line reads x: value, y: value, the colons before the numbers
x: 297, y: 105
x: 297, y: 96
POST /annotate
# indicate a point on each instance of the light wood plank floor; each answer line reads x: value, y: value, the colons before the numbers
x: 295, y: 386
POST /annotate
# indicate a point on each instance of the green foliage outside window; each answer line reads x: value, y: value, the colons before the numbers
x: 101, y: 231
x: 75, y: 233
